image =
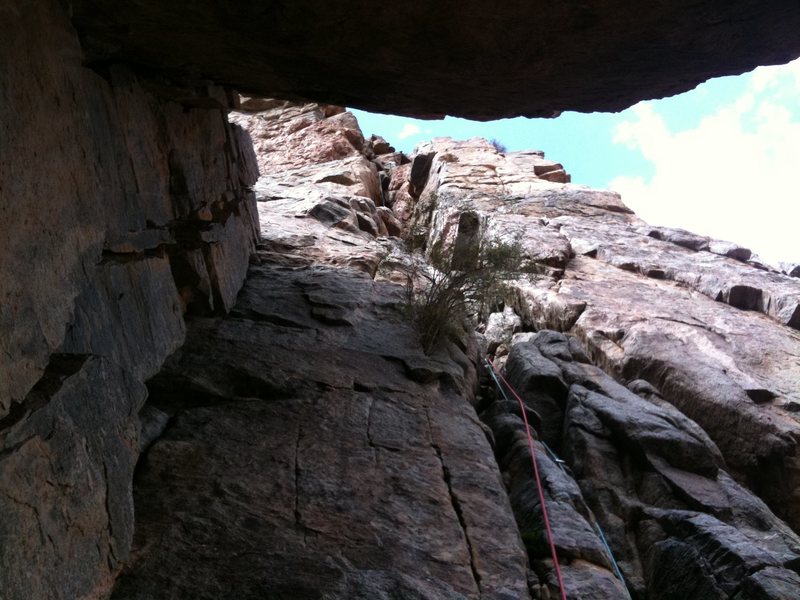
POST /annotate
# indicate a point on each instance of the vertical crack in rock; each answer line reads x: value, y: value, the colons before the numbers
x: 298, y: 518
x: 459, y: 513
x: 112, y: 560
x: 370, y: 441
x: 456, y: 504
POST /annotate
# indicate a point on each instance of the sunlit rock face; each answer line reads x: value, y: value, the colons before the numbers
x: 663, y: 412
x: 720, y: 333
x: 459, y: 58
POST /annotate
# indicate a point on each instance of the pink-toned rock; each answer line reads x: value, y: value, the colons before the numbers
x: 311, y: 141
x: 380, y: 145
x: 551, y: 171
x: 390, y: 221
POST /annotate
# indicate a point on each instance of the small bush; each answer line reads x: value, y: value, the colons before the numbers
x: 461, y: 279
x: 499, y: 146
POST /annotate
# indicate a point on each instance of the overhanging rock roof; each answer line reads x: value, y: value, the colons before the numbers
x: 461, y: 57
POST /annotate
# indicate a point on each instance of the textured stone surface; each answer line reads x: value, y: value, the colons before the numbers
x: 708, y: 345
x: 500, y: 327
x: 733, y: 372
x: 678, y: 524
x: 320, y: 196
x: 133, y: 178
x: 646, y: 303
x: 132, y: 315
x: 119, y: 211
x: 585, y: 562
x: 459, y: 58
x: 375, y: 478
x: 363, y: 475
x: 304, y: 446
x: 67, y: 455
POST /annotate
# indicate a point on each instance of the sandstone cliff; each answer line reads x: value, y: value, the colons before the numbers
x: 219, y: 355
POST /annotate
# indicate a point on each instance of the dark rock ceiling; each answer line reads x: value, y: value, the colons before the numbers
x: 460, y: 57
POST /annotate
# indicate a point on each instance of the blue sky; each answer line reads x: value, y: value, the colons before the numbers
x: 722, y: 159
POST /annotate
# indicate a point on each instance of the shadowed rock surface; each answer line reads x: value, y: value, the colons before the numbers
x: 120, y: 212
x: 300, y: 444
x: 677, y: 523
x: 459, y: 58
x: 302, y: 449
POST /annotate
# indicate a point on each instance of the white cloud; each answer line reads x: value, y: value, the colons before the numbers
x: 735, y: 176
x: 408, y: 130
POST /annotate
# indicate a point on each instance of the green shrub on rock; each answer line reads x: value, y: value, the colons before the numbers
x: 459, y: 280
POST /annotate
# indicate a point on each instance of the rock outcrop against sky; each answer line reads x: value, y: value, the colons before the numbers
x: 210, y: 382
x: 312, y: 447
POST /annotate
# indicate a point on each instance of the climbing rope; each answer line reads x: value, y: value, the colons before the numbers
x: 554, y: 457
x: 495, y: 374
x: 614, y: 564
x: 560, y: 463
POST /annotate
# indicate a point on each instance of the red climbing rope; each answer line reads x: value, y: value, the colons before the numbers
x: 538, y: 479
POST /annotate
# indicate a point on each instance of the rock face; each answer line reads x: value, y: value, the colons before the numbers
x: 459, y: 58
x: 677, y: 522
x: 121, y: 211
x: 300, y: 444
x: 313, y: 450
x: 708, y: 345
x: 326, y: 457
x: 716, y: 336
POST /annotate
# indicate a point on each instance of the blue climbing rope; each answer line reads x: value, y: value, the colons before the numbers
x: 561, y: 464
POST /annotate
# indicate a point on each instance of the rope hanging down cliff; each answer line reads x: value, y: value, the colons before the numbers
x: 495, y: 374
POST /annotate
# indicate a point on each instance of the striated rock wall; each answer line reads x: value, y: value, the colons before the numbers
x: 119, y: 212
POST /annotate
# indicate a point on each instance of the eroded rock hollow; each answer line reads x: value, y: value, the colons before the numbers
x: 211, y: 381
